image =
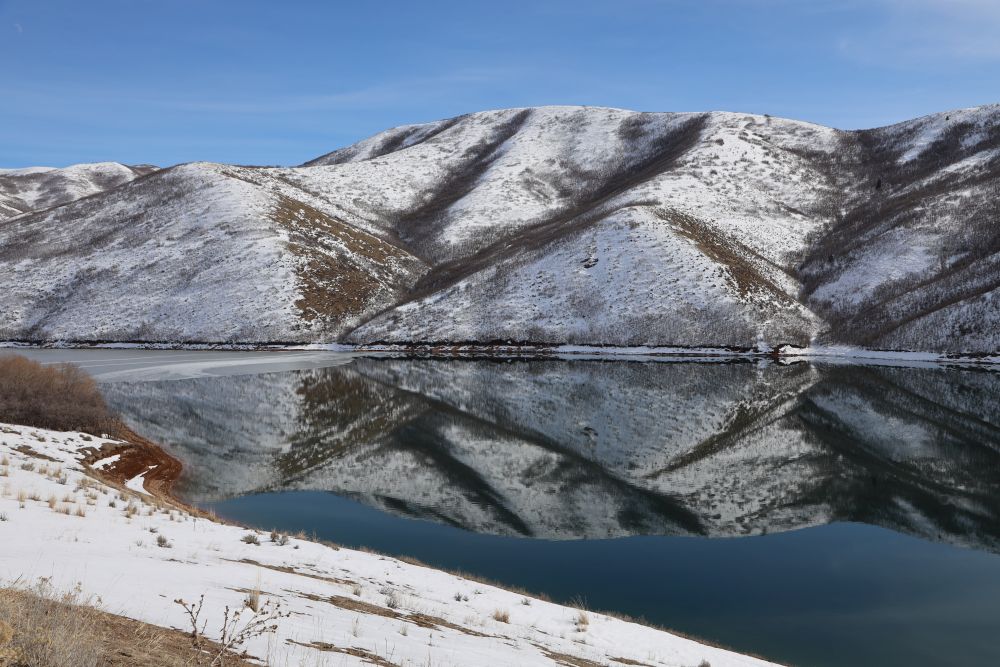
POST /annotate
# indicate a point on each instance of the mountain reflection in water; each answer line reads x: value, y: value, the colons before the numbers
x: 589, y: 449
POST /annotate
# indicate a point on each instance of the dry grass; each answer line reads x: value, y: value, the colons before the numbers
x: 501, y: 615
x: 41, y: 627
x: 252, y: 600
x: 48, y: 629
x: 61, y: 398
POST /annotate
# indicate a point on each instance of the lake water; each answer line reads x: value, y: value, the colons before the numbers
x: 813, y: 514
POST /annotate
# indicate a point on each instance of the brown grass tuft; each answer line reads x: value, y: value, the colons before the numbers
x: 47, y: 629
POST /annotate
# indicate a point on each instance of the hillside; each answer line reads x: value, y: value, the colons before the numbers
x: 573, y: 225
x: 198, y: 252
x: 37, y: 188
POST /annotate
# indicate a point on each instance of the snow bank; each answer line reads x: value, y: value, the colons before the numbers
x: 139, y: 560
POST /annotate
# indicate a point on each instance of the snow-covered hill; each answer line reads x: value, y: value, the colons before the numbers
x: 198, y: 252
x: 554, y: 225
x: 37, y: 188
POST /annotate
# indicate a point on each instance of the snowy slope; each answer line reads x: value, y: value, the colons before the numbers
x: 640, y: 276
x: 576, y: 225
x: 201, y: 253
x: 344, y: 607
x: 36, y: 188
x: 912, y: 261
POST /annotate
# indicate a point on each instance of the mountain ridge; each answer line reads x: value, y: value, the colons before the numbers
x: 577, y: 225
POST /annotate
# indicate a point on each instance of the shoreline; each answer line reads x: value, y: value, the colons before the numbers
x: 366, y: 597
x: 781, y: 354
x: 135, y: 455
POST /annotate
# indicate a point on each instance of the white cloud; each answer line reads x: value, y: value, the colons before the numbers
x: 18, y: 27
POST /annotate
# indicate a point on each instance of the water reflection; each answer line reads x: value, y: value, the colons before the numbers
x: 567, y: 450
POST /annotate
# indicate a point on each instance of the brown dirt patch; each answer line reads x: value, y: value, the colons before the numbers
x: 362, y: 607
x: 567, y: 659
x: 352, y: 604
x: 730, y: 254
x: 28, y: 451
x: 335, y: 284
x: 138, y: 455
x: 291, y: 570
x: 367, y: 656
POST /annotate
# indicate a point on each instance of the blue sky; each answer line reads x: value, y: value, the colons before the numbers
x: 167, y: 81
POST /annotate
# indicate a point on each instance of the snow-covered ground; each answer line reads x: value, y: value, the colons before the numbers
x: 138, y: 555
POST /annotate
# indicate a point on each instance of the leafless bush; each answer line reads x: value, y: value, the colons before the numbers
x: 61, y: 397
x: 238, y: 627
x: 392, y: 599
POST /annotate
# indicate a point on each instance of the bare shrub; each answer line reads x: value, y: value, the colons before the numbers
x: 61, y: 398
x: 392, y: 600
x: 501, y: 615
x: 250, y: 538
x: 237, y: 628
